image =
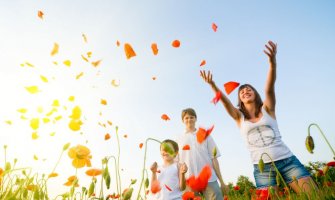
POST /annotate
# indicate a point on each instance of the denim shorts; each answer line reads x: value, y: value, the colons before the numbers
x: 288, y: 168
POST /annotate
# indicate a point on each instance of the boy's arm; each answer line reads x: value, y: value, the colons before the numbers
x: 232, y: 111
x: 153, y: 169
x: 216, y: 167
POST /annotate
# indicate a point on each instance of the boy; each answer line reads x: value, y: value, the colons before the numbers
x: 200, y: 155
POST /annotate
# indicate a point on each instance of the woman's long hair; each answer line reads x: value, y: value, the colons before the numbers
x: 258, y: 102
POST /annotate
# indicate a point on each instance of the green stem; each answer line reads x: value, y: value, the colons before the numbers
x: 144, y: 160
x: 309, y: 131
x: 118, y: 161
x: 273, y: 164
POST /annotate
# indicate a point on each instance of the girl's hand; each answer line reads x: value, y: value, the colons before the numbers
x: 271, y: 51
x: 208, y: 77
x: 183, y: 168
x: 153, y: 167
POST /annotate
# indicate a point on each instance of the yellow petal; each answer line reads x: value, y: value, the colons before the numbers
x: 22, y: 110
x: 110, y: 123
x: 54, y: 49
x: 32, y: 89
x: 29, y: 64
x: 103, y: 102
x: 55, y: 63
x: 79, y: 75
x: 44, y: 79
x: 35, y: 157
x: 76, y: 113
x: 75, y: 124
x: 39, y: 109
x: 8, y: 122
x: 89, y: 54
x: 84, y: 38
x: 67, y: 63
x: 71, y: 98
x: 52, y: 134
x: 58, y: 117
x: 46, y: 120
x: 115, y: 84
x: 84, y: 58
x: 96, y: 63
x: 34, y: 135
x: 35, y: 123
x: 55, y: 103
x: 23, y: 117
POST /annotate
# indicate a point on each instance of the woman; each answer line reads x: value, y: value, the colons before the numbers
x: 257, y: 122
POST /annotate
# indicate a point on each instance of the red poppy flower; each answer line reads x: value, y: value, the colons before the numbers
x: 199, y: 183
x: 190, y: 196
x: 202, y: 134
x: 236, y: 187
x: 331, y: 164
x: 230, y: 86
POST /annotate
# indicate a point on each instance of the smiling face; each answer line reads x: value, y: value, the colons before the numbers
x: 247, y: 94
x: 189, y: 121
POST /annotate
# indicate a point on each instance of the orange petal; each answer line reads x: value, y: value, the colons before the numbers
x: 203, y: 62
x: 176, y: 43
x: 165, y: 117
x: 93, y: 172
x: 129, y: 51
x: 201, y: 135
x: 103, y: 102
x: 154, y: 48
x: 214, y: 27
x: 186, y: 147
x: 141, y: 145
x: 67, y: 63
x: 117, y: 43
x: 40, y: 14
x: 230, y: 86
x: 96, y: 63
x: 107, y: 136
x: 217, y: 97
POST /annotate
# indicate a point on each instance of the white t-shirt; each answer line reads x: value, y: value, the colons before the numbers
x: 198, y: 156
x: 168, y: 178
x: 264, y: 137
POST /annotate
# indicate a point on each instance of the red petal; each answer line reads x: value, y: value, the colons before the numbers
x: 186, y: 147
x: 203, y: 62
x: 209, y: 131
x: 155, y: 187
x: 154, y: 48
x: 176, y: 43
x: 201, y: 135
x: 165, y: 117
x: 214, y: 27
x: 129, y: 51
x: 230, y: 86
x: 167, y: 187
x: 217, y: 97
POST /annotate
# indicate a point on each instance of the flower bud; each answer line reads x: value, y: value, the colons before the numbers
x: 261, y: 165
x: 309, y: 144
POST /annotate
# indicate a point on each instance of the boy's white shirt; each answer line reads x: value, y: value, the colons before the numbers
x: 198, y: 156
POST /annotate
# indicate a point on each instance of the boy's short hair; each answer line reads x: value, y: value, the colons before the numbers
x: 189, y: 111
x: 173, y: 143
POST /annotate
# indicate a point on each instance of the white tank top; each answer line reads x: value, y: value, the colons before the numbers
x: 264, y: 137
x: 169, y: 182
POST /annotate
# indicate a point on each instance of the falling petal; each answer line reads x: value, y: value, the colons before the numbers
x: 34, y: 135
x: 154, y: 48
x: 35, y: 157
x: 203, y: 62
x: 141, y: 145
x: 79, y: 75
x: 9, y: 122
x: 115, y: 84
x: 75, y: 124
x: 202, y: 134
x: 109, y: 122
x: 71, y: 98
x: 52, y: 175
x: 58, y: 118
x: 96, y: 63
x: 107, y: 136
x: 46, y: 120
x: 55, y: 63
x: 23, y: 117
x: 55, y: 103
x: 40, y: 14
x: 230, y: 86
x: 186, y: 147
x: 67, y: 63
x: 214, y: 27
x: 55, y: 49
x: 53, y: 134
x: 167, y: 187
x: 22, y: 110
x: 35, y: 123
x: 84, y: 58
x: 39, y: 109
x: 117, y: 43
x: 129, y: 51
x: 125, y: 136
x: 32, y: 89
x: 176, y: 43
x: 76, y: 113
x: 154, y: 78
x: 84, y: 38
x: 217, y: 97
x: 44, y: 79
x: 89, y: 54
x: 29, y: 64
x: 165, y: 117
x: 103, y: 102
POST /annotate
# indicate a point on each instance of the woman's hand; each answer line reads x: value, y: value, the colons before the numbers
x: 207, y: 77
x: 271, y: 51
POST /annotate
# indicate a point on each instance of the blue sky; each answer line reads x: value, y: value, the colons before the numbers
x: 303, y: 30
